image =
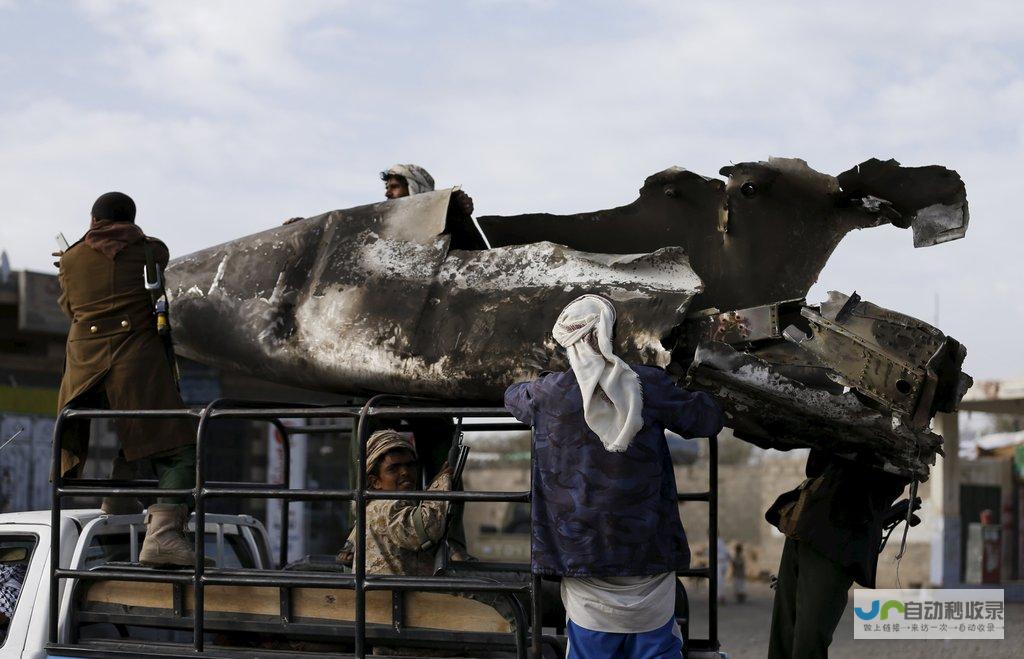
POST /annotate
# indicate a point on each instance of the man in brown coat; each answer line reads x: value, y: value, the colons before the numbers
x: 115, y: 359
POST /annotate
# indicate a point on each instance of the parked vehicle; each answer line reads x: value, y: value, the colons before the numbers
x: 90, y: 540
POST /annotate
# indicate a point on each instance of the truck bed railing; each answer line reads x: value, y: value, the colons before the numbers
x: 378, y: 407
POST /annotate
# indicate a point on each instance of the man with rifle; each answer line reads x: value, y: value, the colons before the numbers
x: 117, y: 359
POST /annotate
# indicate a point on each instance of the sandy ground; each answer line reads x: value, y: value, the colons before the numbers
x: 743, y: 630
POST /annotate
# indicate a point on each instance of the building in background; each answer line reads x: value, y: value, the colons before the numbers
x: 978, y: 494
x: 32, y: 332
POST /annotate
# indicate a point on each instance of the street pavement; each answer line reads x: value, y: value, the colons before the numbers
x: 743, y: 630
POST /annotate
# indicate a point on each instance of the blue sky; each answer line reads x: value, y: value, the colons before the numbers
x: 223, y: 118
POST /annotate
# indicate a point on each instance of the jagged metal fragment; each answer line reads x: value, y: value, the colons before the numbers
x: 371, y: 300
x: 774, y: 411
x: 763, y: 235
x: 931, y: 199
x: 903, y: 364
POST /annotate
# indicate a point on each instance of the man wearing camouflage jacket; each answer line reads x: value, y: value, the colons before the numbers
x: 401, y: 535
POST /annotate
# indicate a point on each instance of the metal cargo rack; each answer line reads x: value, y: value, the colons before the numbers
x: 356, y: 633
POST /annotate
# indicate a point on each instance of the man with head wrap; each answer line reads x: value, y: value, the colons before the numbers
x: 401, y: 536
x: 406, y: 180
x: 116, y: 359
x: 605, y: 514
x: 409, y: 179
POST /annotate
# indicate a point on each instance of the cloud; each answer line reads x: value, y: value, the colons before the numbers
x: 197, y: 181
x: 225, y: 117
x: 216, y: 55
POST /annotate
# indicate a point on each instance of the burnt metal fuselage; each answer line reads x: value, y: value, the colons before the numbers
x: 371, y: 299
x: 708, y: 277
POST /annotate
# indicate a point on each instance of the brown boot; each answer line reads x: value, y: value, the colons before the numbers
x: 165, y: 543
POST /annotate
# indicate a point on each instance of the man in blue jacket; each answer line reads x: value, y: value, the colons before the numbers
x: 605, y: 513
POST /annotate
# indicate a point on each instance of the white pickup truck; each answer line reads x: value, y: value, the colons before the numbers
x: 128, y: 611
x: 138, y: 613
x: 90, y: 539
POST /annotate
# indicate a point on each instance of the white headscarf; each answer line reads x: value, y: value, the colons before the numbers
x: 612, y: 396
x: 419, y: 179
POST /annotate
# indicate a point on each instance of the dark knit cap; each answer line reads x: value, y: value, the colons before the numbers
x: 114, y: 206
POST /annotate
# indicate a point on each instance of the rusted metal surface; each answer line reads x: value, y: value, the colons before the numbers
x: 742, y: 325
x: 372, y: 300
x: 765, y: 233
x: 771, y: 410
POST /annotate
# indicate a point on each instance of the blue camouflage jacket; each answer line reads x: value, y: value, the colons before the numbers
x: 599, y: 513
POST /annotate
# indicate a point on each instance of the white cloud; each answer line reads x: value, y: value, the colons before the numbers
x: 215, y: 55
x: 223, y: 117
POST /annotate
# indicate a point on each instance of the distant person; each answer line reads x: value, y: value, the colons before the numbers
x: 738, y: 568
x: 605, y: 509
x: 722, y: 564
x: 115, y: 359
x: 406, y: 180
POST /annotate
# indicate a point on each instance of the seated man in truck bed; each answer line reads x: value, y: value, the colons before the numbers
x: 401, y: 536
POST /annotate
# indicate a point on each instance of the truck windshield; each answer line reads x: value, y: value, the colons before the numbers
x: 15, y: 555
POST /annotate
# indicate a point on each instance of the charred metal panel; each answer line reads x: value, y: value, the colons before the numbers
x: 903, y: 364
x: 931, y: 199
x: 763, y: 235
x: 774, y: 411
x: 371, y: 300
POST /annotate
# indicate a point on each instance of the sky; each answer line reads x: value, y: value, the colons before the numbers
x: 223, y: 118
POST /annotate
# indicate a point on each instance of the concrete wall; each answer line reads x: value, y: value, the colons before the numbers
x: 745, y: 492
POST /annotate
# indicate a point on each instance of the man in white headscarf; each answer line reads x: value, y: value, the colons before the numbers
x: 406, y: 180
x: 409, y: 179
x: 605, y: 512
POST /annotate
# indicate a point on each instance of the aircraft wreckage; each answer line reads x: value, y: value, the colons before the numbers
x: 709, y: 278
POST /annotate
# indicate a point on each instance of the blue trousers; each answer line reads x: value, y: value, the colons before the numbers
x: 659, y: 643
